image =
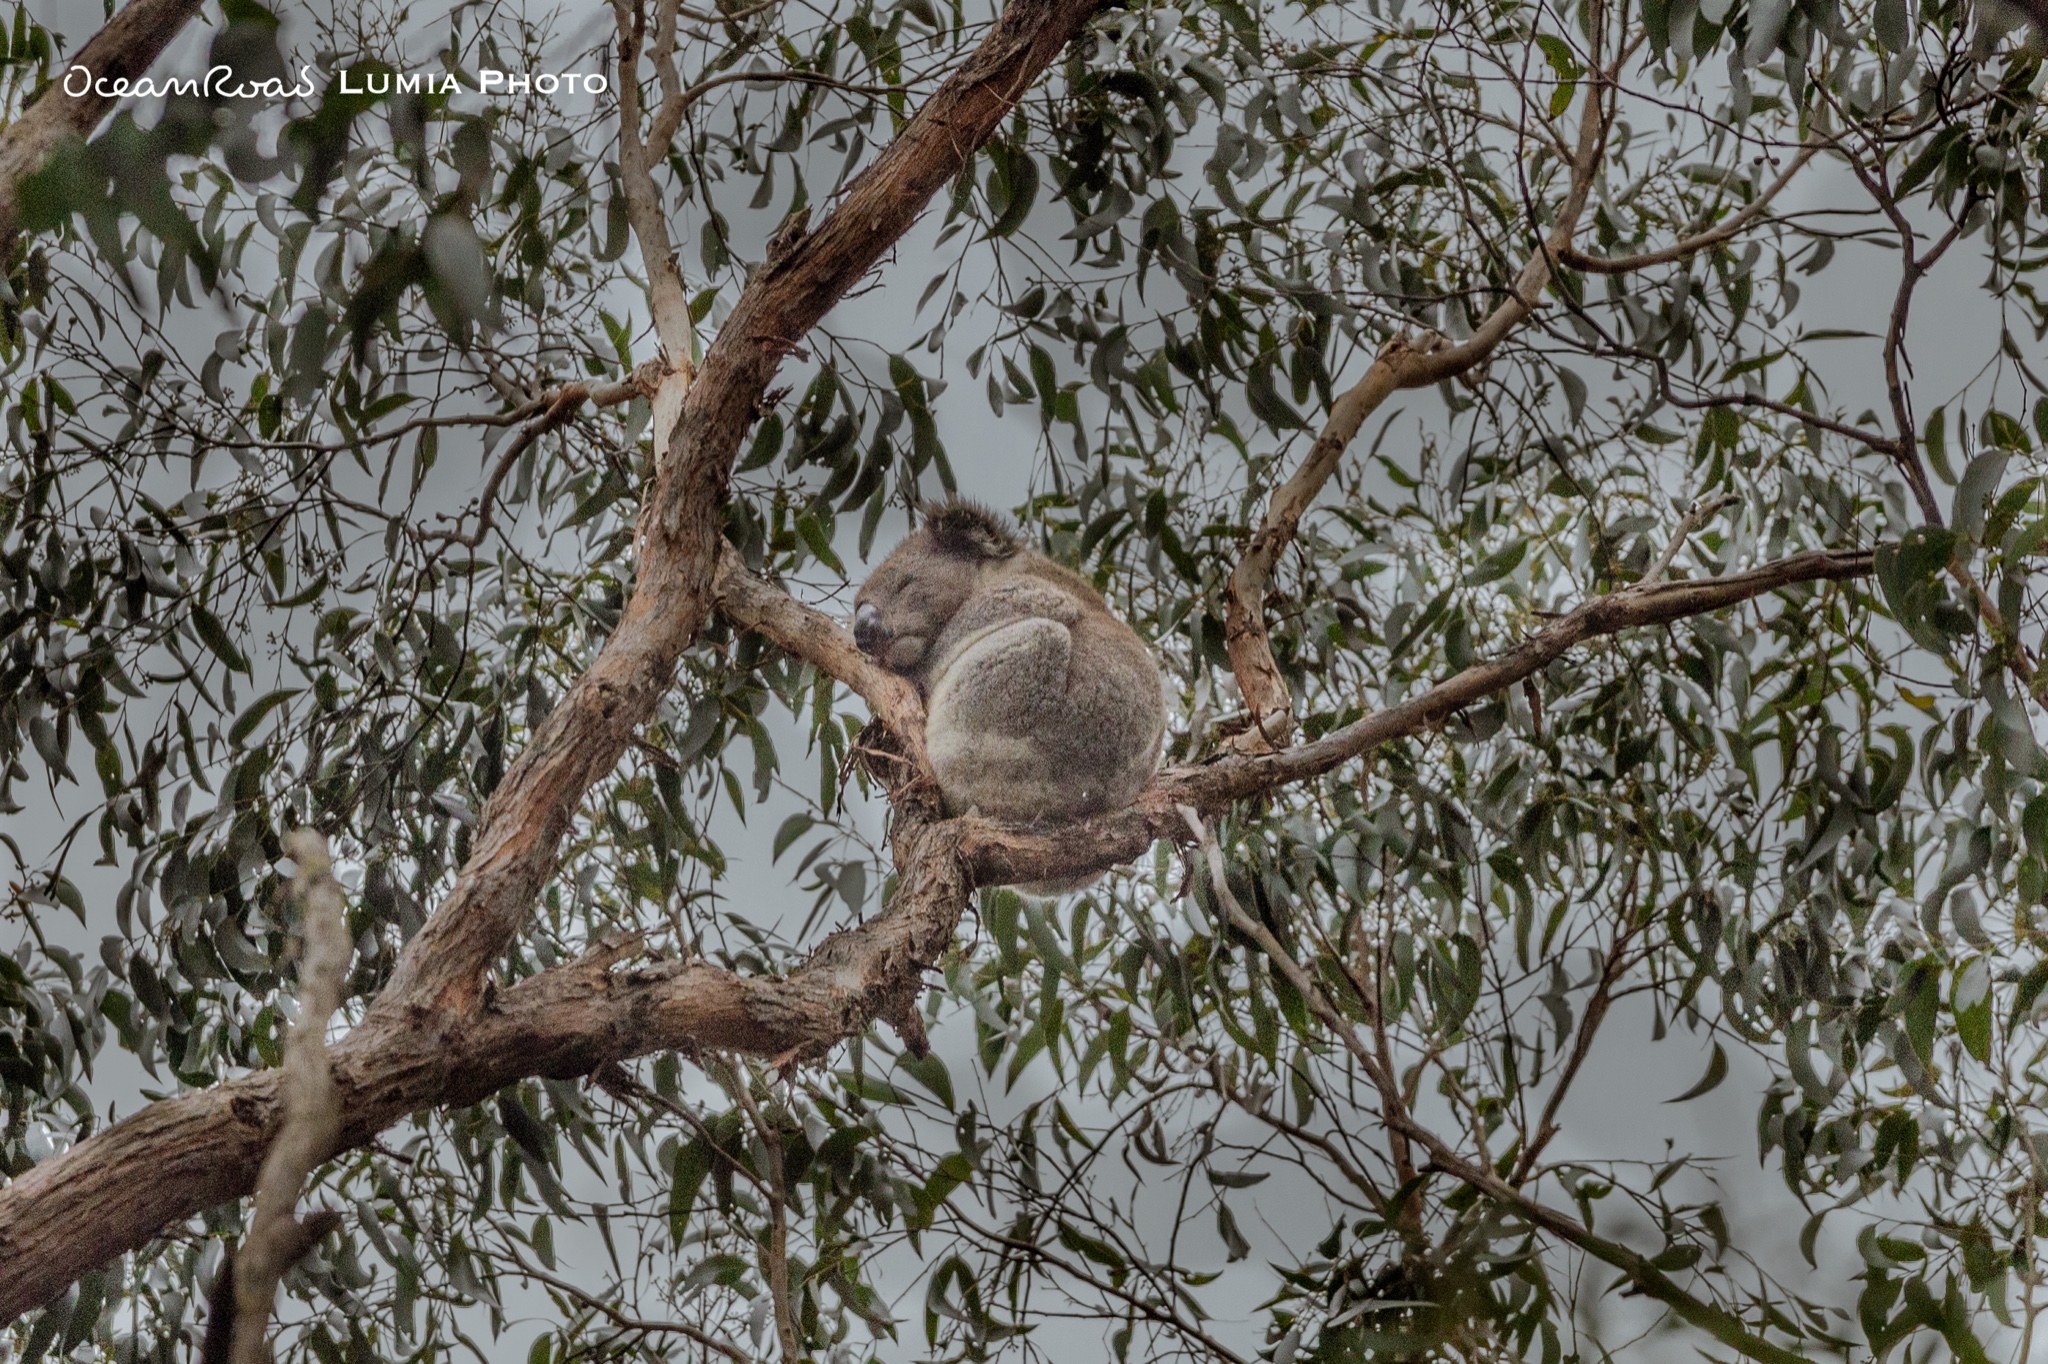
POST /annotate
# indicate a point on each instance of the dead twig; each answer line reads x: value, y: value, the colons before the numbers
x: 312, y: 1107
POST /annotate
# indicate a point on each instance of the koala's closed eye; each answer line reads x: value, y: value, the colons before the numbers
x: 1040, y: 704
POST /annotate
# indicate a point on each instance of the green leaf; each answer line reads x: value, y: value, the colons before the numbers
x: 693, y: 1161
x: 524, y: 1129
x: 1717, y: 1071
x: 1238, y: 1179
x: 215, y: 637
x: 1498, y: 564
x: 930, y: 1071
x: 793, y: 828
x: 812, y: 529
x: 245, y: 724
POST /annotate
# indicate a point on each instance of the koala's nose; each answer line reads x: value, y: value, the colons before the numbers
x: 868, y: 631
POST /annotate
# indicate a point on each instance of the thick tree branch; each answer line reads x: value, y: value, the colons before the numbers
x: 582, y: 738
x: 1400, y: 365
x: 125, y: 49
x: 809, y: 634
x: 999, y: 854
x: 115, y: 1190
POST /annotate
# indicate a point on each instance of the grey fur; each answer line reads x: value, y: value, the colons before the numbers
x: 1041, y: 706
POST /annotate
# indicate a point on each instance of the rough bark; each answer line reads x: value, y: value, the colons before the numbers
x: 125, y: 49
x: 582, y: 738
x: 175, y: 1158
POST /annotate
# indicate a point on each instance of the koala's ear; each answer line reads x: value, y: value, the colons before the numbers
x: 969, y: 530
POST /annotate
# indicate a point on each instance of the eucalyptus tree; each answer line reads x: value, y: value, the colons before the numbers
x: 412, y: 444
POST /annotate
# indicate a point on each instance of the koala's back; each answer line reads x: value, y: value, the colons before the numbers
x: 1043, y: 705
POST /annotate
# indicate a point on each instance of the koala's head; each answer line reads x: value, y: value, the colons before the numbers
x: 906, y: 602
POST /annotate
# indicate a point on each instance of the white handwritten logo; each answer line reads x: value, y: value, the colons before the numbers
x: 216, y: 83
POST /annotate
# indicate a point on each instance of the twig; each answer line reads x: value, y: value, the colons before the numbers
x: 559, y: 409
x: 1691, y: 246
x: 663, y: 129
x: 623, y: 1321
x: 312, y: 1109
x: 1690, y: 522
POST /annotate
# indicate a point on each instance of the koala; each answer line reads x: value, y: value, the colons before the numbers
x: 1040, y: 705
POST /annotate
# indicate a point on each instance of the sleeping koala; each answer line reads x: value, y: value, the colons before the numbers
x: 1040, y: 705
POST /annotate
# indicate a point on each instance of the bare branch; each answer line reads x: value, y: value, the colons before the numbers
x: 311, y: 1102
x: 809, y: 634
x: 645, y: 213
x: 621, y: 1319
x: 560, y: 408
x: 1700, y: 514
x: 680, y: 528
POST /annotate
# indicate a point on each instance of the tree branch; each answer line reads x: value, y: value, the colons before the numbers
x: 117, y: 1189
x: 1691, y: 246
x: 1709, y: 1316
x: 312, y: 1112
x: 816, y: 638
x: 428, y: 1040
x: 680, y: 527
x: 559, y: 409
x: 1400, y: 365
x: 666, y: 295
x: 175, y: 1158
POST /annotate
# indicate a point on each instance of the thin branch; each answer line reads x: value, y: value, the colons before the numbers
x: 560, y: 408
x: 1590, y: 1019
x: 673, y: 108
x: 1700, y: 514
x: 1691, y: 246
x: 1400, y: 365
x: 1906, y: 450
x: 620, y: 1319
x: 1881, y: 444
x: 1717, y: 1321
